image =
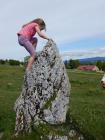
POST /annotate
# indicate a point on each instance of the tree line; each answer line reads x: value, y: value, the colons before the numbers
x: 11, y: 62
x: 70, y: 64
x: 73, y: 64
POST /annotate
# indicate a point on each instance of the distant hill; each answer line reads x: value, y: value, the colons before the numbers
x: 92, y: 59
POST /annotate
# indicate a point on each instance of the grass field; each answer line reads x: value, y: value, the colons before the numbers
x: 87, y: 103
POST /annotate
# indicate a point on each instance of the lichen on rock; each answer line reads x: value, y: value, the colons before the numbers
x: 45, y: 92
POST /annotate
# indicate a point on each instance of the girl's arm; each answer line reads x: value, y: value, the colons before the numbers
x: 40, y: 33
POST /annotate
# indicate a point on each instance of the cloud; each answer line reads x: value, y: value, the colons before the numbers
x: 66, y: 21
x: 84, y: 53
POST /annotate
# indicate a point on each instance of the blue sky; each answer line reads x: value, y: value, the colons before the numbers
x: 77, y: 26
x: 84, y: 44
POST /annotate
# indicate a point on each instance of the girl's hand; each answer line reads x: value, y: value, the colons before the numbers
x: 41, y: 34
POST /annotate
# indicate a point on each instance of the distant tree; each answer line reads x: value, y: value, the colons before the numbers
x: 6, y: 61
x: 99, y: 64
x: 26, y: 60
x: 77, y: 63
x: 74, y: 63
x: 103, y: 65
x: 71, y: 64
x: 14, y: 62
x: 66, y: 64
x: 2, y: 61
x: 22, y: 63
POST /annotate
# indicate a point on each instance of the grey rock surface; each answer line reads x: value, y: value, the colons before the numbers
x: 58, y: 138
x: 45, y: 92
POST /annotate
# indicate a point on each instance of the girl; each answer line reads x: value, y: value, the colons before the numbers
x: 26, y: 37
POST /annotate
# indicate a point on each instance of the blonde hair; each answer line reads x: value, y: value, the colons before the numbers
x: 39, y: 21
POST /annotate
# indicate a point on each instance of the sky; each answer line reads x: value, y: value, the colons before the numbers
x: 77, y: 26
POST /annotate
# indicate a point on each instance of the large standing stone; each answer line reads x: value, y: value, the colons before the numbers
x: 58, y: 138
x: 45, y: 93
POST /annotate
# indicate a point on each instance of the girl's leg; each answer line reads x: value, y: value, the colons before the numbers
x: 31, y: 50
x: 34, y: 42
x: 32, y: 57
x: 30, y: 62
x: 30, y: 47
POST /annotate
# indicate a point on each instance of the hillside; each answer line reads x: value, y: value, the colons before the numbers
x: 92, y: 59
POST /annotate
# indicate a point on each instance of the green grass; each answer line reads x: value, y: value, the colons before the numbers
x: 87, y: 105
x: 11, y: 79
